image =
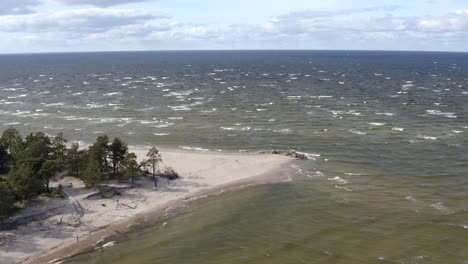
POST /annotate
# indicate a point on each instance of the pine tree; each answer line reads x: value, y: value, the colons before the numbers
x: 118, y: 150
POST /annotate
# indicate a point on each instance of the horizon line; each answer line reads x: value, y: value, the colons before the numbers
x: 212, y: 50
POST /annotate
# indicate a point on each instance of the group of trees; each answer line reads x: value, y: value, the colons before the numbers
x: 29, y: 163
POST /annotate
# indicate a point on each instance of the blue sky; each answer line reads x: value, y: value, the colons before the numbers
x: 110, y: 25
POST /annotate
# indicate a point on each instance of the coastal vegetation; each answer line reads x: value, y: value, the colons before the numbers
x: 28, y: 164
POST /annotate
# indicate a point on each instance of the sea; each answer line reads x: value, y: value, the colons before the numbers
x: 386, y: 134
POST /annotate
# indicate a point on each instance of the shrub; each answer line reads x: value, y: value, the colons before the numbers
x: 169, y: 173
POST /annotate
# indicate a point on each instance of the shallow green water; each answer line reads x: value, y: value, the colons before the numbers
x: 293, y: 223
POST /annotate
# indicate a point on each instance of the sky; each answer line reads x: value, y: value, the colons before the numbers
x: 31, y: 26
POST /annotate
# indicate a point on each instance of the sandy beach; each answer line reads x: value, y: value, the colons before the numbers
x: 64, y: 227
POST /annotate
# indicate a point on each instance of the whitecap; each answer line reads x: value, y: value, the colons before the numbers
x: 357, y: 132
x: 283, y: 130
x: 343, y: 188
x: 440, y: 113
x: 175, y: 118
x: 440, y: 207
x: 427, y: 137
x: 163, y: 125
x: 180, y: 108
x: 54, y: 104
x: 113, y: 93
x: 457, y: 131
x: 398, y: 129
x: 311, y: 156
x: 376, y: 124
x: 161, y: 134
x: 338, y: 180
x: 387, y: 114
x: 238, y: 128
x: 146, y: 122
x: 94, y: 105
x: 14, y: 102
x: 193, y: 148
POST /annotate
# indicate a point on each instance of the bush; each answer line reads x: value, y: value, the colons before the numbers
x: 169, y: 173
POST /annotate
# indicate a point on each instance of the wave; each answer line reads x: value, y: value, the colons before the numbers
x: 55, y: 104
x: 239, y: 128
x: 440, y: 113
x: 338, y: 180
x: 113, y: 93
x: 377, y: 124
x: 440, y: 207
x: 194, y: 148
x: 357, y: 132
x: 180, y: 108
x: 161, y: 134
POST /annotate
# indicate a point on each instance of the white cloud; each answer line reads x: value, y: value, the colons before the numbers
x: 100, y: 3
x: 311, y: 14
x: 76, y: 21
x: 453, y: 22
x: 365, y: 28
x: 17, y: 6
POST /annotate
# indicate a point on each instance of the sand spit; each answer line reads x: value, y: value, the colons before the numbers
x: 79, y: 223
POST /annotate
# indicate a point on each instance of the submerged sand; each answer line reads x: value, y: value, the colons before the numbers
x: 76, y: 224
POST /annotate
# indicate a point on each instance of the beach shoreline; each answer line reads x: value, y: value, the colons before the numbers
x: 203, y: 174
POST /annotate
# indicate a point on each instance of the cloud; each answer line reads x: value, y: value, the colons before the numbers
x: 99, y: 3
x: 76, y: 21
x: 17, y: 6
x: 453, y: 22
x: 363, y: 28
x: 312, y: 14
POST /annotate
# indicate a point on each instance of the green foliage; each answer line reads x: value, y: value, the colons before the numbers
x: 59, y: 150
x: 8, y: 137
x: 98, y: 153
x: 24, y: 180
x: 7, y: 201
x: 154, y: 157
x: 48, y: 170
x: 76, y: 160
x: 4, y: 158
x: 92, y: 174
x: 118, y: 150
x: 16, y: 148
x: 130, y: 166
x: 37, y: 145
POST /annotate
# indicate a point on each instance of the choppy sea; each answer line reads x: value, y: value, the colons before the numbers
x: 386, y: 134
